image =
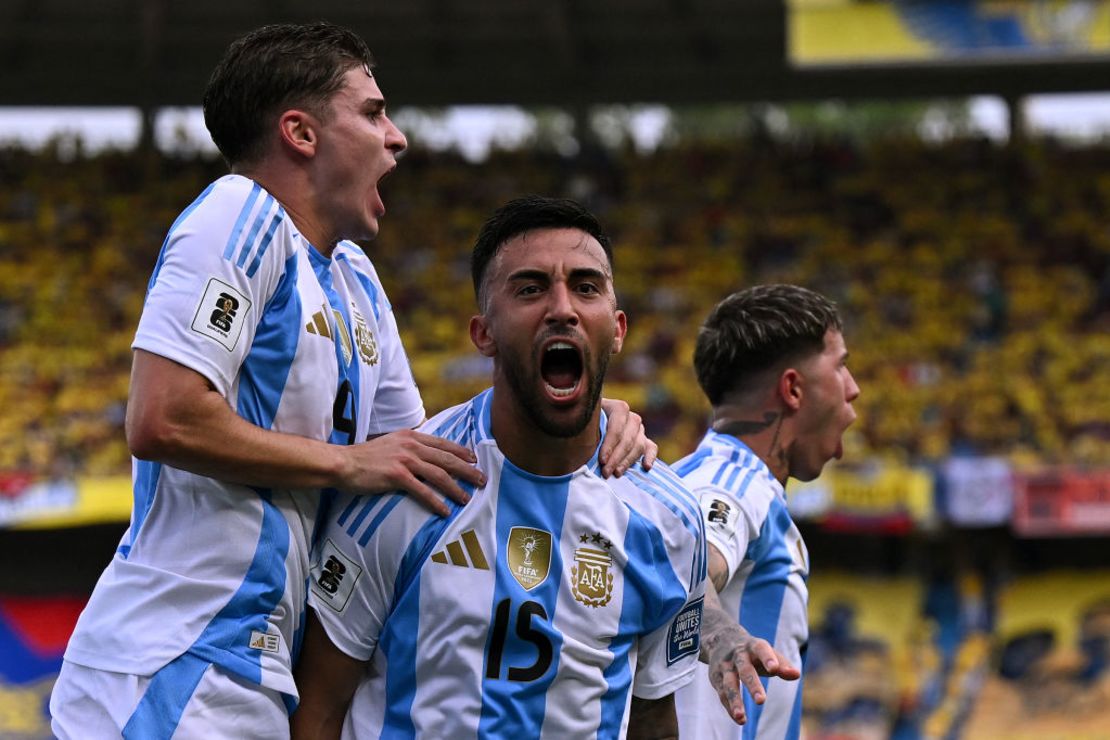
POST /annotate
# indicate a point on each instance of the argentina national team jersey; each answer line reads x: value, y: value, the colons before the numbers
x: 296, y: 343
x: 747, y: 521
x: 537, y: 610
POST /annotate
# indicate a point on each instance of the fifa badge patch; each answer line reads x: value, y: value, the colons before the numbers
x: 334, y: 577
x: 684, y: 636
x: 529, y: 556
x: 591, y: 578
x: 221, y: 313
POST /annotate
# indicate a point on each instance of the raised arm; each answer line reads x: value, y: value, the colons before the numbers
x: 175, y: 416
x: 326, y: 679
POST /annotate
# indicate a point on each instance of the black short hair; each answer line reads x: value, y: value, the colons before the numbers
x: 758, y: 329
x: 272, y: 69
x: 527, y: 214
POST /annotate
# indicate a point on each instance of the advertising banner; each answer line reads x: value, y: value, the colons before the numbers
x: 1062, y: 502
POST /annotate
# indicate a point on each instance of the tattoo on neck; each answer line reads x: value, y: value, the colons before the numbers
x: 775, y: 450
x: 742, y: 427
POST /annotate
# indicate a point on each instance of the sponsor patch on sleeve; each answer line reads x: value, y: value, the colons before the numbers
x: 221, y: 313
x: 334, y: 577
x: 684, y: 636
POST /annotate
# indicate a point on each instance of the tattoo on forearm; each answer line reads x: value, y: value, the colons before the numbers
x: 742, y: 427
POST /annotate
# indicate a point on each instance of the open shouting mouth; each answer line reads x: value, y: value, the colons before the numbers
x: 561, y: 368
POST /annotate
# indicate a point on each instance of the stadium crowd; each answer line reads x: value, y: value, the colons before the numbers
x: 975, y: 280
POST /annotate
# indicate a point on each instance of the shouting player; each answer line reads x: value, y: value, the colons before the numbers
x: 772, y: 361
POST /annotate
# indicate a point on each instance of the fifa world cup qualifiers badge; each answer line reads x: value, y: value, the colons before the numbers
x: 334, y: 576
x: 221, y: 313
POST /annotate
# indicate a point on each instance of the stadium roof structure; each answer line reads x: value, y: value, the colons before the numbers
x: 153, y: 53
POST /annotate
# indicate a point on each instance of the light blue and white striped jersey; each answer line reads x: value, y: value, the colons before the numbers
x: 537, y: 610
x: 296, y: 343
x: 747, y: 521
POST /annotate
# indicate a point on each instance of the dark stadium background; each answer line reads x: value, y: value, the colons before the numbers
x: 961, y: 568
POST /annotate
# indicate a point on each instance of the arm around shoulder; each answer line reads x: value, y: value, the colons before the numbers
x: 176, y: 416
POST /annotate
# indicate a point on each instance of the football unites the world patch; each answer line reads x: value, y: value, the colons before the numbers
x: 684, y: 635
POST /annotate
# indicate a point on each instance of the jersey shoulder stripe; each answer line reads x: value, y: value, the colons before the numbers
x: 264, y: 223
x: 665, y: 487
x: 367, y: 278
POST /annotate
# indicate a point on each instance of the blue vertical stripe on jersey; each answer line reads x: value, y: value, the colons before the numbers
x: 169, y: 234
x: 484, y: 426
x: 367, y: 285
x: 618, y: 676
x: 524, y: 500
x: 226, y: 639
x: 401, y: 633
x: 159, y: 711
x: 267, y: 239
x: 142, y: 490
x: 266, y: 367
x: 265, y: 211
x: 794, y: 729
x: 348, y: 372
x: 681, y: 503
x: 651, y: 595
x: 241, y: 221
x: 761, y: 602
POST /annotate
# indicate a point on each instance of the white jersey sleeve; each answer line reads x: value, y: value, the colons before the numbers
x: 731, y: 523
x: 355, y: 569
x: 214, y: 275
x: 669, y: 652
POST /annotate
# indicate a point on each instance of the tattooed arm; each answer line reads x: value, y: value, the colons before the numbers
x: 734, y: 657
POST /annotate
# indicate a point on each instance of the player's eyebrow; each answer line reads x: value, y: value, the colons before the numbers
x: 578, y: 273
x: 374, y: 105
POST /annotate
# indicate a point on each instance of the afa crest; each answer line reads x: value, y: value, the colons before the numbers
x: 364, y: 338
x: 529, y: 556
x: 591, y: 576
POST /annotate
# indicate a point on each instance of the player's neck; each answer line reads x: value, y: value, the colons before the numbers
x: 531, y: 449
x: 295, y: 197
x: 767, y: 432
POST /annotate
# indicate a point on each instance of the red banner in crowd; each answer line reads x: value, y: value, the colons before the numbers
x: 1062, y: 502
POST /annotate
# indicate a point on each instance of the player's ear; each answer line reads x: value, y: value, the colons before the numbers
x: 480, y: 336
x: 298, y: 131
x: 622, y: 329
x: 790, y: 388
